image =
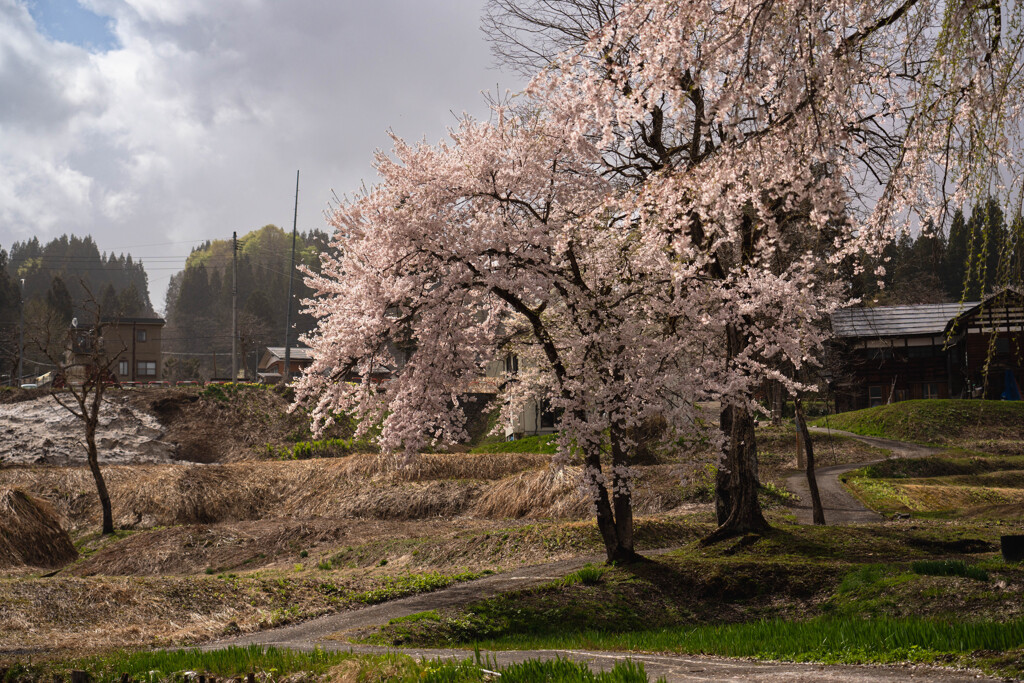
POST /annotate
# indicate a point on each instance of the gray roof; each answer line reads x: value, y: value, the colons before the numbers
x: 297, y: 352
x: 896, y: 321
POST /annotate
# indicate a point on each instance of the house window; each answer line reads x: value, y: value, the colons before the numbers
x: 122, y: 368
x: 899, y: 395
x: 147, y: 368
x: 140, y: 335
x: 512, y: 365
x: 874, y: 396
x: 930, y: 390
x: 1002, y: 345
x: 548, y: 416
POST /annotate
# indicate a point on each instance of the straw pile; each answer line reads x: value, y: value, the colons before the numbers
x: 30, y: 533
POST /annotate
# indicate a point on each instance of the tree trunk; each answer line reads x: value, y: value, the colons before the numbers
x: 818, y: 514
x: 622, y: 501
x: 615, y: 517
x: 736, y: 484
x: 101, y: 487
x: 778, y: 398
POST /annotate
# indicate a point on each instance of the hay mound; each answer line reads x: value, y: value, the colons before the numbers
x: 30, y: 533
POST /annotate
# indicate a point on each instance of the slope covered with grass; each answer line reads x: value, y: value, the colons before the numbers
x: 942, y: 422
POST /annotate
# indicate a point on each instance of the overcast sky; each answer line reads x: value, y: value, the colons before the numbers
x: 155, y: 124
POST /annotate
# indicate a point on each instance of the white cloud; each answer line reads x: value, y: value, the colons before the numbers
x: 195, y: 125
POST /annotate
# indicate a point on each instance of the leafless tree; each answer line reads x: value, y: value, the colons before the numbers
x: 83, y: 364
x: 526, y: 35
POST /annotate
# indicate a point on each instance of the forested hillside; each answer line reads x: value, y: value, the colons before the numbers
x: 198, y: 332
x: 986, y: 244
x: 60, y: 278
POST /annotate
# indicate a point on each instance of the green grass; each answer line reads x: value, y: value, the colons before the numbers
x: 948, y: 568
x: 824, y: 639
x: 933, y: 422
x: 544, y: 444
x: 588, y: 575
x: 231, y: 661
x: 394, y: 587
x: 275, y: 663
x: 830, y: 594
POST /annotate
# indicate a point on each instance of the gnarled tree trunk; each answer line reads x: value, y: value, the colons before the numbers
x: 736, y: 484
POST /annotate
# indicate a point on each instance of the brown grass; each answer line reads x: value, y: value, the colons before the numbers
x: 31, y: 534
x: 359, y: 486
x: 89, y: 614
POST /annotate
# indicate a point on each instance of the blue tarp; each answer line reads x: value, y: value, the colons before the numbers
x: 1011, y: 392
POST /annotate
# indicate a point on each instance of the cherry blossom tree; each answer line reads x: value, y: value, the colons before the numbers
x: 784, y: 138
x: 651, y: 225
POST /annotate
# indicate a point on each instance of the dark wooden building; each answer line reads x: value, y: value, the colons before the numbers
x: 895, y: 353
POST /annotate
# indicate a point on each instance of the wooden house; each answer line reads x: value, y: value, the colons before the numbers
x: 894, y: 353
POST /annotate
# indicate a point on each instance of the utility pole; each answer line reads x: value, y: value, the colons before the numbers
x: 21, y: 333
x: 288, y: 305
x: 234, y: 306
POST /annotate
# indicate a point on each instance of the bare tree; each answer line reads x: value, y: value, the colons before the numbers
x: 83, y: 364
x: 526, y: 35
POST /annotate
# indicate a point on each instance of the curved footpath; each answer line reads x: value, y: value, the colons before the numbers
x: 840, y: 508
x: 839, y: 504
x: 329, y: 633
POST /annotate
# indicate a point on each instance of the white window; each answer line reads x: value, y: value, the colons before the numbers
x: 122, y: 368
x: 140, y: 335
x: 147, y: 368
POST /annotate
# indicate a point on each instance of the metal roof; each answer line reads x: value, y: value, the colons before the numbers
x: 896, y: 321
x: 297, y: 352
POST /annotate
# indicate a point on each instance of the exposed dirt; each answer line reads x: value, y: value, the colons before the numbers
x: 213, y: 426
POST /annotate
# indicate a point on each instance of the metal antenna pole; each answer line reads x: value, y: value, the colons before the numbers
x: 21, y: 333
x: 234, y: 306
x: 288, y: 305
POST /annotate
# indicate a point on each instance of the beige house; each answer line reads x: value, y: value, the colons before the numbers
x: 271, y: 366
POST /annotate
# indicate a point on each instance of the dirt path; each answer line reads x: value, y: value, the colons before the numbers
x: 329, y: 633
x: 839, y: 505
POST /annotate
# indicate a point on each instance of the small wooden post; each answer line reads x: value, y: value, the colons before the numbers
x: 79, y: 677
x: 125, y: 678
x: 250, y: 678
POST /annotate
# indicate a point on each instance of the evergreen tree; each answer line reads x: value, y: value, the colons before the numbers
x: 59, y: 301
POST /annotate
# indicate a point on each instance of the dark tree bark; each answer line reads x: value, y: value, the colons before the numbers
x: 614, y: 516
x: 94, y: 466
x: 736, y: 484
x: 818, y: 513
